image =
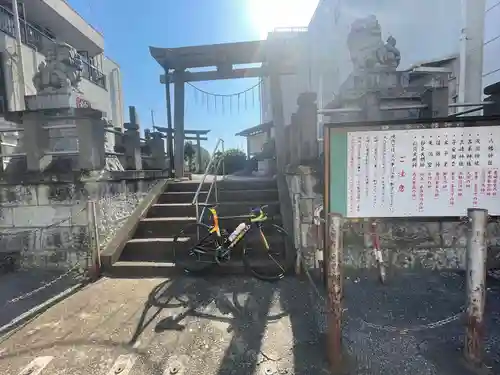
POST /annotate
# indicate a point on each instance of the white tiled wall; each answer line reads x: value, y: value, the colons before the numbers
x: 491, y: 59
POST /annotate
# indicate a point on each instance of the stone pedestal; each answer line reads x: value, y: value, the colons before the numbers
x: 307, y: 121
x: 35, y: 141
x: 56, y: 100
x: 157, y: 147
x: 132, y: 147
x: 63, y: 122
x: 91, y: 139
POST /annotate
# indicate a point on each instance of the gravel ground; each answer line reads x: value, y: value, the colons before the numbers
x: 403, y: 327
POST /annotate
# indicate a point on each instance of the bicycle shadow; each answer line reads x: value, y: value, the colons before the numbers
x: 242, y: 305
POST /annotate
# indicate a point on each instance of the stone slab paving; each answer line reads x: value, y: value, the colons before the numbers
x: 213, y: 326
x: 239, y: 325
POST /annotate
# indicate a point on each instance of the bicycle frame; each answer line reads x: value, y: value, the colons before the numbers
x: 215, y: 228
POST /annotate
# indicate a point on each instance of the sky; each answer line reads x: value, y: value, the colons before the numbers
x: 130, y: 29
x: 426, y: 29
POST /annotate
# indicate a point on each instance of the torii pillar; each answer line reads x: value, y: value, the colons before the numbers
x: 178, y: 123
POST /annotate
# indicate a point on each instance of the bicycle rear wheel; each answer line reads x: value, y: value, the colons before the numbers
x: 266, y: 252
x: 194, y: 248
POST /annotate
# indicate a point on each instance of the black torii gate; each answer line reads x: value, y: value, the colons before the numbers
x: 196, y: 135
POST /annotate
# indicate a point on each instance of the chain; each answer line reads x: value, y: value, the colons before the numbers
x: 43, y: 287
x: 417, y: 328
x: 309, y: 277
x: 388, y: 328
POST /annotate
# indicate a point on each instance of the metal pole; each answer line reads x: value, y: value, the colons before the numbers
x: 223, y: 161
x: 19, y: 52
x: 179, y: 99
x: 198, y: 156
x: 95, y: 266
x: 471, y: 51
x: 298, y: 234
x: 476, y: 276
x: 215, y: 186
x: 334, y: 290
x: 170, y: 148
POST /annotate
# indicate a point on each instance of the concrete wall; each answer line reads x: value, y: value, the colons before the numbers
x: 45, y: 224
x: 491, y: 60
x: 114, y: 85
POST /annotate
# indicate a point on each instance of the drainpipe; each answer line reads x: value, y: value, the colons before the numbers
x: 117, y: 96
x: 19, y: 51
x: 471, y: 51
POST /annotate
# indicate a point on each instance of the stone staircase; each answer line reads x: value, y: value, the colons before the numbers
x: 149, y: 251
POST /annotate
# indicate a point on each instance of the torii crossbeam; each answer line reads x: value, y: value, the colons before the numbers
x: 277, y: 58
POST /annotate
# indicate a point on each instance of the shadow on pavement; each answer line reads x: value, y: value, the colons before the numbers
x: 268, y: 324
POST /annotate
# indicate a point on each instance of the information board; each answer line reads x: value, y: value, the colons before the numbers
x: 423, y: 172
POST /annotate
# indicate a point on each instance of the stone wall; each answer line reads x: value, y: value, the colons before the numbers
x: 44, y: 219
x: 405, y: 244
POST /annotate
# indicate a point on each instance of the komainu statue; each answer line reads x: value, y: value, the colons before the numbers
x: 367, y: 48
x: 61, y: 72
x: 374, y: 62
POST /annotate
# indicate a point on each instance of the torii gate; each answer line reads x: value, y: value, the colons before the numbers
x: 277, y: 55
x: 189, y: 135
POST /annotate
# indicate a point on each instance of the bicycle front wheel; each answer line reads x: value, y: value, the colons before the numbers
x: 266, y: 253
x: 194, y: 248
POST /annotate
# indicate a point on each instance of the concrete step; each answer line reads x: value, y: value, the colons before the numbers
x: 188, y: 186
x: 248, y: 184
x: 124, y: 269
x: 161, y: 227
x: 223, y: 208
x: 181, y: 197
x: 162, y: 249
x: 261, y: 195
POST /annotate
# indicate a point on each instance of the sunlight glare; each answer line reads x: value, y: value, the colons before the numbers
x: 266, y: 15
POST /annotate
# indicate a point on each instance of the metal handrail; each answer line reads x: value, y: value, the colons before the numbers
x: 195, y: 201
x: 212, y: 186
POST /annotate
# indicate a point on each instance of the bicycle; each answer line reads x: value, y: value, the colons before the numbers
x: 213, y: 245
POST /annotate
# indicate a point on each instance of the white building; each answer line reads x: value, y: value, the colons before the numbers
x: 291, y: 85
x: 418, y: 27
x: 491, y: 53
x: 426, y: 32
x: 41, y: 22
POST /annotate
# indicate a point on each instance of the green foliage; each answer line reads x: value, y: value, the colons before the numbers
x: 189, y: 153
x: 234, y: 160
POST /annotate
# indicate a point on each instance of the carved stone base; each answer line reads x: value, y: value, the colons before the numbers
x: 56, y: 101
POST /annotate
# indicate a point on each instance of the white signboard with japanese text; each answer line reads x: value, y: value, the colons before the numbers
x: 423, y: 172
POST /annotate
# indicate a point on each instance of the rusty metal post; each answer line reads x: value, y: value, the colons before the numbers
x: 298, y: 233
x: 334, y: 291
x: 95, y: 256
x: 475, y: 283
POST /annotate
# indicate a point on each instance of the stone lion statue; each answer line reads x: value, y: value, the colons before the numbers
x: 367, y: 48
x: 61, y: 72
